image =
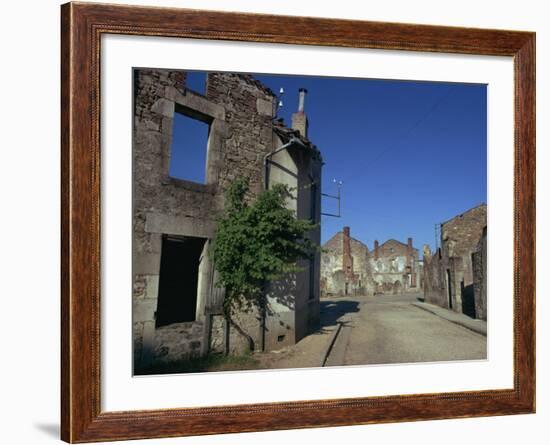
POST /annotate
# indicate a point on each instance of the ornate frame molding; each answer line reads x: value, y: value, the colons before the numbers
x: 82, y: 25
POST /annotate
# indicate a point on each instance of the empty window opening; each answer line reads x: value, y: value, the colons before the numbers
x: 179, y: 278
x: 189, y: 148
x: 280, y: 338
x: 196, y: 81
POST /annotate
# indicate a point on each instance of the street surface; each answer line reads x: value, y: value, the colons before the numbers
x: 390, y: 329
x: 379, y: 329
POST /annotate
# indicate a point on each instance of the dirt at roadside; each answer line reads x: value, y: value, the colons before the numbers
x: 307, y: 353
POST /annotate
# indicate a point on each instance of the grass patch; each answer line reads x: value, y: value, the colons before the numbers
x: 208, y: 363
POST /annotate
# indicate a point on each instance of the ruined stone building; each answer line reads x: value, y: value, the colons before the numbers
x: 345, y: 266
x: 177, y: 309
x: 395, y: 267
x: 455, y: 276
x: 349, y: 268
x: 479, y: 266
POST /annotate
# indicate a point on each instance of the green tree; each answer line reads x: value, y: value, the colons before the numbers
x: 256, y: 243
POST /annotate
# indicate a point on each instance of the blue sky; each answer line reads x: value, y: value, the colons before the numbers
x: 410, y: 154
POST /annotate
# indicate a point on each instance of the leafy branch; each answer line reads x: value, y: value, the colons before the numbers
x: 256, y: 243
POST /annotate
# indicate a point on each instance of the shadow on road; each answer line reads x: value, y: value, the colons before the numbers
x: 333, y: 310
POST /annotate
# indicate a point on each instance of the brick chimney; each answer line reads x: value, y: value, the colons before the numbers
x: 409, y: 251
x: 299, y: 119
x: 410, y: 261
x: 376, y: 249
x: 347, y: 259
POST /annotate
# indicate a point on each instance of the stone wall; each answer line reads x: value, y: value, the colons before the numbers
x: 479, y: 261
x: 249, y: 137
x: 166, y: 206
x: 178, y: 340
x: 449, y: 274
x: 239, y: 112
x: 460, y: 237
x: 395, y: 267
x: 392, y: 267
x: 435, y: 287
x: 345, y: 259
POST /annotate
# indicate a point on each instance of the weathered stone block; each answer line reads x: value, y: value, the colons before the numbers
x: 144, y: 309
x: 152, y: 286
x: 179, y: 225
x: 146, y: 263
x: 164, y: 107
x: 264, y: 107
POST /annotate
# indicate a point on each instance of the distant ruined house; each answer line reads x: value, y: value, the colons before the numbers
x: 395, y: 267
x: 345, y: 266
x: 177, y: 309
x: 455, y: 276
x: 349, y: 268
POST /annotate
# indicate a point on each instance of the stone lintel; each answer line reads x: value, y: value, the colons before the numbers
x: 179, y: 225
x: 192, y: 102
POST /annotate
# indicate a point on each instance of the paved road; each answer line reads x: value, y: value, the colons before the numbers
x: 389, y: 329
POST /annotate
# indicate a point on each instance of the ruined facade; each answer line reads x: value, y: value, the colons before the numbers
x: 349, y: 268
x: 395, y: 267
x: 345, y: 266
x: 176, y: 306
x: 455, y: 275
x: 479, y: 265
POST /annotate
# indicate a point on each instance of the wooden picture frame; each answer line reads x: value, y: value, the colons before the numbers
x: 82, y: 26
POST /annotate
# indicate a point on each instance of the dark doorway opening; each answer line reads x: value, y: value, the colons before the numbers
x: 179, y: 278
x: 449, y: 288
x: 468, y: 301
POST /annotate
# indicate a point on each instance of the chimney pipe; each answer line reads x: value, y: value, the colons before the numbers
x: 409, y: 251
x: 302, y: 99
x: 347, y: 259
x: 299, y: 118
x: 375, y: 249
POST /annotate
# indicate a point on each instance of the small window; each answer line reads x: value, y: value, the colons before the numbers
x: 189, y: 148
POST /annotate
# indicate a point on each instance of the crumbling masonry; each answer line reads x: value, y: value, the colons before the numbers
x: 395, y: 267
x: 177, y: 310
x: 455, y: 276
x: 345, y: 266
x: 349, y: 268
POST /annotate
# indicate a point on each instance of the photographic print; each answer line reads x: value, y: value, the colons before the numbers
x: 285, y: 221
x: 278, y: 217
